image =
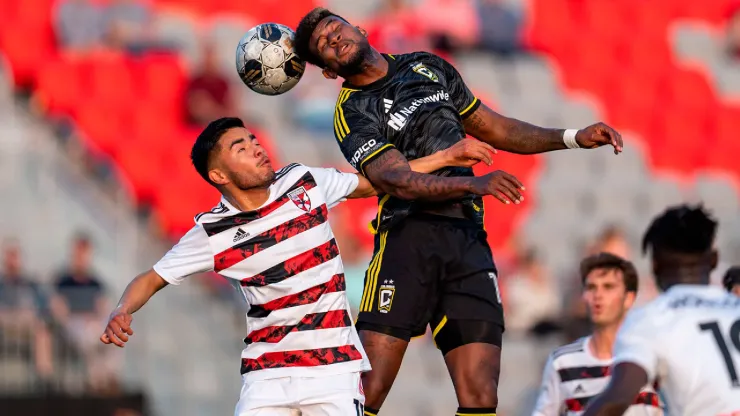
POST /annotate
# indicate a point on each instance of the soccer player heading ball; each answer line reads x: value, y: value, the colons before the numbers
x: 432, y: 264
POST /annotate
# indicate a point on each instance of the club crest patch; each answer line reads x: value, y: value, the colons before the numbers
x: 300, y: 198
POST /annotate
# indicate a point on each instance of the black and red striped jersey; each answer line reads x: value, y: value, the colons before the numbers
x: 284, y: 260
x: 573, y: 376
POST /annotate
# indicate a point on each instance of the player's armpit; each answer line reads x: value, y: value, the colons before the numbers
x: 627, y: 380
x: 510, y: 134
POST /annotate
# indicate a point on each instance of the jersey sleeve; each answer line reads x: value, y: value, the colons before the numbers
x: 549, y: 401
x: 358, y: 132
x: 464, y: 100
x: 191, y: 255
x: 638, y: 341
x: 335, y: 185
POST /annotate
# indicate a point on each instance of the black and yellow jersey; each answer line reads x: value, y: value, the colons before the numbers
x: 417, y: 108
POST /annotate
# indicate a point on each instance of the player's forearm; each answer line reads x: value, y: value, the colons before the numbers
x: 139, y: 291
x: 391, y: 173
x: 427, y: 164
x: 512, y: 135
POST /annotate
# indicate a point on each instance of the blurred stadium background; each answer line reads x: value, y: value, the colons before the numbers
x: 100, y: 101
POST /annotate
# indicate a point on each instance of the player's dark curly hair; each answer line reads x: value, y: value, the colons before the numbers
x: 610, y: 261
x: 207, y: 141
x: 304, y: 31
x: 681, y: 229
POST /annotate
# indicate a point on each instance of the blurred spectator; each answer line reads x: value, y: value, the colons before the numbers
x: 316, y: 98
x: 79, y: 305
x: 208, y: 95
x: 532, y: 298
x: 611, y: 240
x: 733, y: 34
x: 79, y: 25
x: 500, y: 27
x: 395, y: 28
x: 23, y: 330
x: 452, y: 24
x: 128, y: 26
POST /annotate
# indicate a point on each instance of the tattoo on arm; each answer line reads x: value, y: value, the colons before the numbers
x: 510, y: 134
x: 391, y: 173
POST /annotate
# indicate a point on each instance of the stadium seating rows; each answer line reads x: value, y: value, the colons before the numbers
x: 685, y: 124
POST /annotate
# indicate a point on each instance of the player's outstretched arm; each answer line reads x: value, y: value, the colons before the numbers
x: 516, y: 136
x: 627, y: 380
x: 391, y: 174
x: 137, y: 293
x: 465, y: 153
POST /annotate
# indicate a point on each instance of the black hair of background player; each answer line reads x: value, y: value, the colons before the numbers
x: 732, y: 278
x: 610, y: 261
x: 681, y: 229
x: 208, y: 140
x: 305, y: 30
x: 681, y: 241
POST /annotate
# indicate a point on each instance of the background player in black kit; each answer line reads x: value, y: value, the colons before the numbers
x: 432, y: 264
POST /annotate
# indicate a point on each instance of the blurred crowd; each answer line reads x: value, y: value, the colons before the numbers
x: 52, y: 328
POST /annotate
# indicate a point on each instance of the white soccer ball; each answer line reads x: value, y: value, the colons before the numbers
x: 266, y: 61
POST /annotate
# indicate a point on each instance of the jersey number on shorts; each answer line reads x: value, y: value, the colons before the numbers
x: 734, y: 336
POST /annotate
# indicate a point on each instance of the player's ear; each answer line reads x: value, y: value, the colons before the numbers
x: 362, y: 31
x: 218, y: 177
x: 629, y: 300
x: 715, y: 259
x: 329, y: 74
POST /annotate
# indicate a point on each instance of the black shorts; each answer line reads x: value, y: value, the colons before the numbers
x: 437, y: 271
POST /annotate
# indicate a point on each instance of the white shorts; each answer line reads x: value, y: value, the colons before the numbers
x: 337, y: 395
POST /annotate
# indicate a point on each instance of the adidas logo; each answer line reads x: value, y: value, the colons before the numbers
x: 579, y: 389
x: 240, y: 235
x: 388, y: 104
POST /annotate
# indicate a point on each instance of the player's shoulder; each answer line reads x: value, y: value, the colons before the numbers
x: 422, y: 56
x: 290, y: 170
x: 215, y: 214
x: 567, y: 350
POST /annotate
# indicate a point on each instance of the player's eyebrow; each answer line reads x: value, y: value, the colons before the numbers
x: 237, y: 141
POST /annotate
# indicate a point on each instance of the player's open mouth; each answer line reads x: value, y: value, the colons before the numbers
x: 344, y: 48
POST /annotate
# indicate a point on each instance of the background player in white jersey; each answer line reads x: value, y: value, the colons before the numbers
x: 688, y: 339
x: 577, y: 372
x: 271, y: 238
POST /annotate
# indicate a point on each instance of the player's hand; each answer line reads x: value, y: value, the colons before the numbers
x: 467, y: 152
x: 504, y: 186
x: 118, y: 330
x: 597, y: 135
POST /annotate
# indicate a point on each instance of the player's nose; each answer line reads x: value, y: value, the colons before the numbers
x: 334, y: 38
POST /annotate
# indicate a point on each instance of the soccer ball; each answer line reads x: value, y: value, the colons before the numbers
x: 266, y: 61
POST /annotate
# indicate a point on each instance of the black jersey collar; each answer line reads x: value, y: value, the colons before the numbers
x: 380, y: 82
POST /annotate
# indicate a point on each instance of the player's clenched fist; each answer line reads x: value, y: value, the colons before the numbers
x: 505, y: 187
x: 118, y: 330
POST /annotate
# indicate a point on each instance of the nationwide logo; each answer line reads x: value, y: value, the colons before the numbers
x: 398, y: 120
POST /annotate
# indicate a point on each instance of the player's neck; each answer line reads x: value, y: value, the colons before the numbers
x: 374, y: 68
x: 602, y: 341
x: 248, y: 200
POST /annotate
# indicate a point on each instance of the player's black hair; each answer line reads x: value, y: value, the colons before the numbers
x: 731, y: 278
x: 681, y: 229
x: 304, y: 31
x: 610, y: 261
x: 208, y: 140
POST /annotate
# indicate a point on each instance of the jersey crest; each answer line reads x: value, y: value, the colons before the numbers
x: 420, y: 69
x: 300, y: 198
